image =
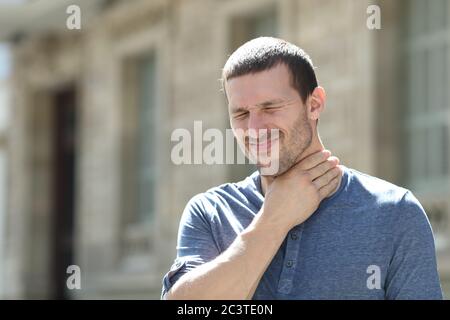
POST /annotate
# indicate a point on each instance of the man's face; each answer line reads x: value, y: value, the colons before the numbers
x: 263, y: 101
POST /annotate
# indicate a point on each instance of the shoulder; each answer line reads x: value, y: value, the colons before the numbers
x: 218, y: 197
x: 363, y: 185
x: 390, y: 199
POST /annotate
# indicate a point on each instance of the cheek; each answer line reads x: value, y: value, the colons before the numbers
x: 286, y: 122
x: 238, y: 125
x: 238, y: 132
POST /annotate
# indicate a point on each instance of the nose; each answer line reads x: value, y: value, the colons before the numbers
x: 256, y: 122
x: 258, y: 126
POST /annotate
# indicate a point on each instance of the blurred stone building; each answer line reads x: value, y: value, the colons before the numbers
x: 86, y: 154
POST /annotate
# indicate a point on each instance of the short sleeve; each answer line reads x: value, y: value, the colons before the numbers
x: 412, y: 273
x: 195, y: 243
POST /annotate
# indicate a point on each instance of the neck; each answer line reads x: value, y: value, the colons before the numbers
x: 316, y: 146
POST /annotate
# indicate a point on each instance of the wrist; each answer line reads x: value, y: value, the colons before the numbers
x: 272, y: 223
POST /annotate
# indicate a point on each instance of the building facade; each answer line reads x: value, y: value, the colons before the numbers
x: 90, y: 181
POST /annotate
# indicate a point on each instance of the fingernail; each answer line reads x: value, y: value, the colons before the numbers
x: 333, y: 158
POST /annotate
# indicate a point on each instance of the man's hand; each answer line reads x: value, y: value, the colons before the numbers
x: 293, y: 196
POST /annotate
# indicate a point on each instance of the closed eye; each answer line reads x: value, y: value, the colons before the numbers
x: 273, y: 108
x: 267, y: 107
x: 240, y: 115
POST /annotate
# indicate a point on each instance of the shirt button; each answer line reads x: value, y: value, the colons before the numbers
x: 289, y: 264
x: 294, y: 236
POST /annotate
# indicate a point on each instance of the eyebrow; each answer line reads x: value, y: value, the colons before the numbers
x: 261, y: 104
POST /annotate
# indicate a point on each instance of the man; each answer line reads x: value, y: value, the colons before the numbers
x: 313, y: 229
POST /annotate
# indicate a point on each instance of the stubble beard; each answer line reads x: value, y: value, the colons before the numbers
x: 291, y: 151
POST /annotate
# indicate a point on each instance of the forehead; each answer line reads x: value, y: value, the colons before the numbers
x: 254, y: 88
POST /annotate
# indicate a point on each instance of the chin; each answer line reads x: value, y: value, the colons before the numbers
x: 269, y: 169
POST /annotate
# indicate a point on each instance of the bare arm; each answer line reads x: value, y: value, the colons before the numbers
x: 234, y: 273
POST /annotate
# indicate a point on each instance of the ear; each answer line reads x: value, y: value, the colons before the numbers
x: 316, y: 103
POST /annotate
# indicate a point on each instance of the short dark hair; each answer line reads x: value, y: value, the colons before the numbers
x: 264, y: 53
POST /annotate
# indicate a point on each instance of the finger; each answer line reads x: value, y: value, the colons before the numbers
x: 327, y: 189
x: 314, y: 159
x: 323, y: 167
x: 326, y: 178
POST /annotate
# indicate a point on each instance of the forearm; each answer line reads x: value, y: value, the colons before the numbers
x: 236, y: 273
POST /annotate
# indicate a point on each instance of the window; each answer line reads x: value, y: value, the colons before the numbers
x: 247, y: 27
x: 145, y: 140
x: 427, y: 108
x: 139, y: 165
x: 243, y: 29
x: 5, y: 65
x: 426, y: 115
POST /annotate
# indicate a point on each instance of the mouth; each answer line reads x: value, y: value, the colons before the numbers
x: 264, y: 146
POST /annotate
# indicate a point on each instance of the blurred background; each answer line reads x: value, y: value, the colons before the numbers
x: 86, y: 118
